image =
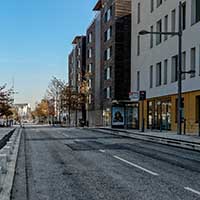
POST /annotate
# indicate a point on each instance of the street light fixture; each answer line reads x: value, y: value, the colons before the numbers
x: 180, y: 72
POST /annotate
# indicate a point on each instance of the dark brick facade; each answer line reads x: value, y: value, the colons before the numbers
x: 118, y: 15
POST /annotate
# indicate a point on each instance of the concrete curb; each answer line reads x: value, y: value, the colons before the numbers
x: 9, y: 157
x: 5, y: 139
x: 156, y: 139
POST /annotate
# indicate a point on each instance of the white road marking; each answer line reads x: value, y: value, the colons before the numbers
x: 137, y: 166
x: 192, y: 190
x: 102, y: 151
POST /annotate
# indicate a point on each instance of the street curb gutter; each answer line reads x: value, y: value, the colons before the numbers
x: 6, y: 138
x: 156, y: 139
x: 8, y: 177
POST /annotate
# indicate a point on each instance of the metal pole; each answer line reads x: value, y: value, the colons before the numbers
x: 199, y: 126
x: 143, y: 116
x: 184, y: 127
x: 179, y: 120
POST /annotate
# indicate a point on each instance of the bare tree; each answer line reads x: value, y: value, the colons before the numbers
x: 53, y: 93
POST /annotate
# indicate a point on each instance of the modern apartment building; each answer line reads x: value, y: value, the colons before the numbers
x: 115, y: 56
x: 76, y: 71
x: 93, y: 72
x: 154, y: 66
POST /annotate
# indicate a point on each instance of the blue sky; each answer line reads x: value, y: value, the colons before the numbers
x: 35, y: 39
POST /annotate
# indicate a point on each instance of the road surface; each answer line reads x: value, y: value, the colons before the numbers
x: 77, y: 164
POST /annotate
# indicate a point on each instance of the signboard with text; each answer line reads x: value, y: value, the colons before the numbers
x: 134, y: 96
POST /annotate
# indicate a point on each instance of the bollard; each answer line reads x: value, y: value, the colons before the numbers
x: 3, y: 163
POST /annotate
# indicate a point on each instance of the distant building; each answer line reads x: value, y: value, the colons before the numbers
x: 77, y: 68
x: 24, y: 111
x: 93, y: 72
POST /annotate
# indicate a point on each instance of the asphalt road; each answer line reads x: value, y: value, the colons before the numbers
x: 75, y: 164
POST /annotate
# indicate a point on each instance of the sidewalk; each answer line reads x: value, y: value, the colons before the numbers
x: 167, y: 138
x: 8, y: 159
x: 4, y: 132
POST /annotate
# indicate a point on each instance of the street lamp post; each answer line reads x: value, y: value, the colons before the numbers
x: 180, y: 72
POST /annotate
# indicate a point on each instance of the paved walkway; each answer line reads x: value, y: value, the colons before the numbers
x: 164, y: 134
x: 4, y: 131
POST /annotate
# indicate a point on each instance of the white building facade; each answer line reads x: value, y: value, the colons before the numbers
x: 155, y: 62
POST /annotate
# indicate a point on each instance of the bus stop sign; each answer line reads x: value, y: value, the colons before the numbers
x: 142, y: 95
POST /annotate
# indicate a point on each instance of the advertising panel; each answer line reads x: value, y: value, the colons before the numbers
x: 118, y: 118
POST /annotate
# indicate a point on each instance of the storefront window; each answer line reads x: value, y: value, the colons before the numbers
x: 107, y: 117
x: 159, y: 115
x: 150, y: 115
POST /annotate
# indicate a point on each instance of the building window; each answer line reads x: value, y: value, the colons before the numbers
x: 108, y: 34
x: 90, y: 53
x: 90, y: 99
x: 138, y: 45
x: 184, y: 15
x: 108, y: 53
x: 79, y: 77
x: 152, y: 6
x: 151, y: 38
x: 108, y: 14
x: 174, y: 69
x: 90, y: 38
x: 108, y: 93
x: 79, y: 51
x: 195, y: 11
x: 90, y: 68
x: 166, y: 27
x: 158, y: 74
x: 138, y: 81
x: 79, y: 64
x: 108, y: 73
x: 173, y: 21
x: 183, y: 65
x: 138, y: 13
x: 165, y: 71
x: 90, y: 83
x: 151, y: 76
x: 193, y: 61
x: 158, y: 29
x: 159, y: 2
